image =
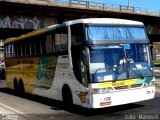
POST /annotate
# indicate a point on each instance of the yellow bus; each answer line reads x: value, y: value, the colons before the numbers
x: 94, y: 63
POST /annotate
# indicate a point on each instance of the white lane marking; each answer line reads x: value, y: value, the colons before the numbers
x: 12, y: 109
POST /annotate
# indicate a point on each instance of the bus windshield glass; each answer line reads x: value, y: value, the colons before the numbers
x: 115, y: 32
x: 119, y: 62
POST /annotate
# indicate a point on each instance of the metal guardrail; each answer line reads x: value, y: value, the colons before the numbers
x: 82, y: 4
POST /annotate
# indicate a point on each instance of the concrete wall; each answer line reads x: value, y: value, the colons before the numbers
x: 25, y: 22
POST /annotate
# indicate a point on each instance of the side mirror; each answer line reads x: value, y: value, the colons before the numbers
x: 153, y: 53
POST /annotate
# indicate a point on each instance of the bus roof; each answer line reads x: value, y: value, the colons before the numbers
x: 112, y: 21
x: 34, y: 33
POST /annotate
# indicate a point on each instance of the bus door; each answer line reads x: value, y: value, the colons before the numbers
x: 80, y: 71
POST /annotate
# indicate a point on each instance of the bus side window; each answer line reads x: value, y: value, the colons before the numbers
x: 6, y: 51
x: 61, y: 39
x: 37, y: 47
x: 27, y: 48
x: 76, y: 61
x: 49, y: 44
x: 84, y: 68
x: 53, y: 43
x: 33, y: 50
x: 43, y: 46
x: 61, y: 42
x: 80, y: 65
x: 10, y: 51
x: 77, y: 34
x: 23, y: 49
x: 18, y: 50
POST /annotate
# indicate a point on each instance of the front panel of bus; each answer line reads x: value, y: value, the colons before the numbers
x: 116, y: 65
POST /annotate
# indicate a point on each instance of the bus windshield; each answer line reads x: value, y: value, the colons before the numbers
x: 120, y: 61
x: 115, y: 32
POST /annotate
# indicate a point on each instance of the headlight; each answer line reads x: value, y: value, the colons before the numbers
x: 146, y: 84
x: 102, y: 90
x: 149, y: 84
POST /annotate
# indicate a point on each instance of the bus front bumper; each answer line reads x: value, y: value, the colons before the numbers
x: 122, y: 97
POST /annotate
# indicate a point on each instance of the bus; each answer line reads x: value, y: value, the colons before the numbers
x: 93, y: 63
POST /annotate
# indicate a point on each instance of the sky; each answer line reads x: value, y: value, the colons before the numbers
x: 150, y: 5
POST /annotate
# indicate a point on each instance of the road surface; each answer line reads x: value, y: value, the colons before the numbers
x: 31, y: 107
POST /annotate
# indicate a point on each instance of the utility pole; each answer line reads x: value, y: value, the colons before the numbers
x: 128, y: 3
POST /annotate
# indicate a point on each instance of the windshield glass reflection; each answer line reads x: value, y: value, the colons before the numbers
x: 117, y: 62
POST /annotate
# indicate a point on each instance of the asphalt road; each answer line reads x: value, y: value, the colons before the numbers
x: 31, y: 107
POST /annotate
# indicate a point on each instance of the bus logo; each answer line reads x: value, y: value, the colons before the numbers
x: 83, y: 96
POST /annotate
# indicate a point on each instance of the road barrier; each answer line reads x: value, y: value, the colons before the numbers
x: 89, y: 5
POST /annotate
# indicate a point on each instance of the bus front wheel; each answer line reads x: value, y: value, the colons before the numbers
x: 67, y: 96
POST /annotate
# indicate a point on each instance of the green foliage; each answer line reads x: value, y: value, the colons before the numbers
x: 157, y: 59
x: 157, y: 46
x: 157, y: 85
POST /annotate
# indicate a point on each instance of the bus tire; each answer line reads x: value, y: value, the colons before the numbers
x: 21, y: 86
x: 16, y: 88
x: 67, y: 96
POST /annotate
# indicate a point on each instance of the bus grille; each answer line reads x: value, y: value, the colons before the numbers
x: 127, y: 87
x: 136, y: 85
x: 121, y: 87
